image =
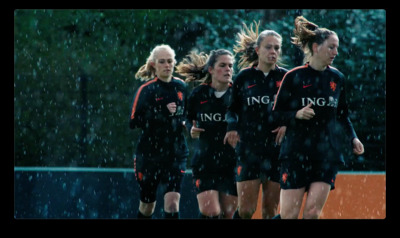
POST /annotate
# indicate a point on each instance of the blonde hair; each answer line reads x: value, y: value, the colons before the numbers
x: 192, y: 67
x: 249, y: 39
x: 195, y: 66
x: 307, y: 33
x: 147, y: 71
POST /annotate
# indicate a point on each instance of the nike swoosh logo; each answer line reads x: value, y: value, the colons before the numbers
x: 250, y: 86
x: 202, y: 102
x: 158, y: 99
x: 306, y: 86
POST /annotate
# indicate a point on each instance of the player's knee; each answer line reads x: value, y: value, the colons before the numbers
x: 209, y: 207
x: 246, y: 212
x: 171, y: 202
x: 172, y: 207
x: 228, y: 212
x: 210, y: 211
x: 290, y: 213
x: 268, y: 213
x: 311, y: 213
x: 147, y: 209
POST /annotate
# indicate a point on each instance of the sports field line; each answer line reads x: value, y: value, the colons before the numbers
x: 130, y: 170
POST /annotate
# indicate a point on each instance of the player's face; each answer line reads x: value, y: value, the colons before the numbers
x: 164, y: 64
x: 328, y: 50
x: 223, y: 69
x: 269, y: 50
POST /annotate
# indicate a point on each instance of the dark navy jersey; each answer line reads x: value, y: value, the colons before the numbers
x: 252, y: 100
x: 162, y: 135
x: 319, y: 136
x: 211, y: 155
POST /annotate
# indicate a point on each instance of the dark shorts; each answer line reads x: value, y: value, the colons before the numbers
x: 258, y: 164
x: 221, y: 183
x: 299, y: 174
x: 151, y: 174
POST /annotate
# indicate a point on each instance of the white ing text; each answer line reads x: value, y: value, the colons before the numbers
x: 332, y: 102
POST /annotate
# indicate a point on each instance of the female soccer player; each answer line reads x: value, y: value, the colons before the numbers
x: 213, y: 162
x: 250, y: 121
x: 161, y: 154
x: 312, y: 101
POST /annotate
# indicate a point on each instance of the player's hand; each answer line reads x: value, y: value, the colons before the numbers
x: 171, y: 107
x: 232, y: 137
x: 280, y: 133
x: 306, y: 113
x: 358, y: 147
x: 195, y: 131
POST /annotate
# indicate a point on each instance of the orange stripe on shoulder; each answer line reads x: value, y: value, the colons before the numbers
x: 179, y: 79
x: 284, y: 77
x: 298, y: 67
x: 137, y: 96
x: 248, y: 67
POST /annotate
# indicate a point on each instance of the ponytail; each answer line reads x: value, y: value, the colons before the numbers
x: 246, y: 45
x: 147, y: 71
x: 249, y: 40
x: 307, y: 33
x: 195, y: 66
x: 192, y: 67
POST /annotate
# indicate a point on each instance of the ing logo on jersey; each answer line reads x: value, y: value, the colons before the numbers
x: 333, y: 86
x: 180, y: 95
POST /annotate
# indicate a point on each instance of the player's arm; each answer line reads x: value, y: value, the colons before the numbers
x: 191, y: 113
x: 144, y: 113
x: 235, y: 105
x: 232, y: 136
x: 282, y: 111
x: 137, y: 109
x: 344, y: 119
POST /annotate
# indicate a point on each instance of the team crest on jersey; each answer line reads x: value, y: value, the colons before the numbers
x: 278, y: 83
x: 198, y: 183
x: 239, y: 170
x: 180, y: 95
x: 139, y: 176
x: 333, y: 86
x: 284, y: 177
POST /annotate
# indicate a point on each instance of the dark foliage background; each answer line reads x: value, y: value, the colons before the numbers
x: 74, y: 74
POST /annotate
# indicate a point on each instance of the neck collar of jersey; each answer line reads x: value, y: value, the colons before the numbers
x: 309, y: 66
x: 162, y: 81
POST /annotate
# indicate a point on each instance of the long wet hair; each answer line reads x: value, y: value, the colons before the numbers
x: 306, y: 34
x: 147, y: 71
x: 249, y: 39
x: 195, y: 66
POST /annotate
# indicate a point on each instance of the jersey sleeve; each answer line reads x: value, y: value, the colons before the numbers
x: 137, y: 109
x: 343, y: 114
x: 191, y: 111
x: 283, y: 113
x: 235, y: 105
